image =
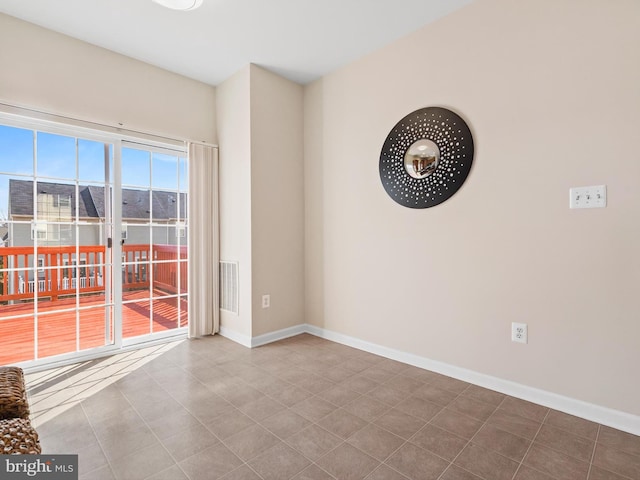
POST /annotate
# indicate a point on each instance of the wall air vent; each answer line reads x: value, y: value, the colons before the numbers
x: 229, y: 287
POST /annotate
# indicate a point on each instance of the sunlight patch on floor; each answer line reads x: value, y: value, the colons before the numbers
x: 52, y: 392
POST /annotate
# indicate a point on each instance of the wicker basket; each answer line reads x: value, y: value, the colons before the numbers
x: 17, y: 436
x: 13, y: 394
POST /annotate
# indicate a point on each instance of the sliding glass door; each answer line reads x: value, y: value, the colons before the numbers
x: 93, y: 237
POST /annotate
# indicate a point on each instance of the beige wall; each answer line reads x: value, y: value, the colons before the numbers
x: 277, y: 201
x: 313, y: 198
x: 260, y: 131
x: 550, y: 91
x: 234, y: 136
x: 57, y: 74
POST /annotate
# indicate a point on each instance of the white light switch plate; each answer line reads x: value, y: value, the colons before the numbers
x: 588, y: 197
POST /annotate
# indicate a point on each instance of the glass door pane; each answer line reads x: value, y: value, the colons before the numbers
x: 154, y: 252
x: 17, y: 312
x: 55, y: 294
x: 95, y: 264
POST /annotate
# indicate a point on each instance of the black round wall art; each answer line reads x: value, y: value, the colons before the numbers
x: 426, y: 157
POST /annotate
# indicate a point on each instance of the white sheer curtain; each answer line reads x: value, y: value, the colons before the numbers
x: 204, y: 313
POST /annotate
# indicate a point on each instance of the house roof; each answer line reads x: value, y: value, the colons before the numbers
x: 135, y: 203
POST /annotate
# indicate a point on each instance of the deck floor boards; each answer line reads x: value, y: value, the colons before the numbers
x: 57, y: 329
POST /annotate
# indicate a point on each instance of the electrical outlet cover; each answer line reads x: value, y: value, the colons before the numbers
x: 519, y: 332
x: 266, y: 301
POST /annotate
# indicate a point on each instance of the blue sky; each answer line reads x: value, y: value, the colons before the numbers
x: 56, y: 157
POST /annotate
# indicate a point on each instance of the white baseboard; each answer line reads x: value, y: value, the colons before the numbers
x: 278, y: 335
x: 252, y: 342
x: 595, y: 413
x: 244, y: 340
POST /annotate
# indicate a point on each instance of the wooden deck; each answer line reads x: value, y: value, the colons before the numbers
x: 57, y: 330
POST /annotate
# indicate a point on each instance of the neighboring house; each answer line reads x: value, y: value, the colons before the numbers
x: 145, y: 221
x: 56, y: 210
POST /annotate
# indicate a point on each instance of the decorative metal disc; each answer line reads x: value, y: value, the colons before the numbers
x: 426, y: 157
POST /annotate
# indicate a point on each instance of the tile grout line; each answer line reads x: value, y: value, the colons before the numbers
x: 176, y: 462
x: 88, y: 421
x: 472, y: 437
x: 569, y: 432
x: 593, y: 452
x: 287, y: 408
x: 75, y: 386
x: 468, y: 441
x: 406, y: 441
x: 244, y: 463
x: 429, y: 422
x: 84, y: 412
x: 345, y: 440
x: 86, y: 418
x: 338, y: 407
x: 79, y: 386
x: 147, y: 425
x: 531, y: 445
x: 220, y: 440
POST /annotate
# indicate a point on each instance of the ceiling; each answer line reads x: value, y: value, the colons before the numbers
x: 298, y: 39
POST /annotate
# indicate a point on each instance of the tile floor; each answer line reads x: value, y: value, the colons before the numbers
x: 306, y: 409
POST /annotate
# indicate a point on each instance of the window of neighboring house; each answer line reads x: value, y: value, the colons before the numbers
x: 135, y: 265
x: 64, y: 233
x: 64, y: 201
x: 124, y: 231
x: 180, y: 230
x: 69, y: 270
x: 65, y: 271
x: 39, y: 231
x: 40, y: 264
x: 51, y: 233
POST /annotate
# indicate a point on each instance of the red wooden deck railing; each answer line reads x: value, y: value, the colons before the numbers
x: 57, y: 271
x: 170, y: 277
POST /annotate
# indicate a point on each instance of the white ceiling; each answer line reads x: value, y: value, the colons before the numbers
x: 299, y: 39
